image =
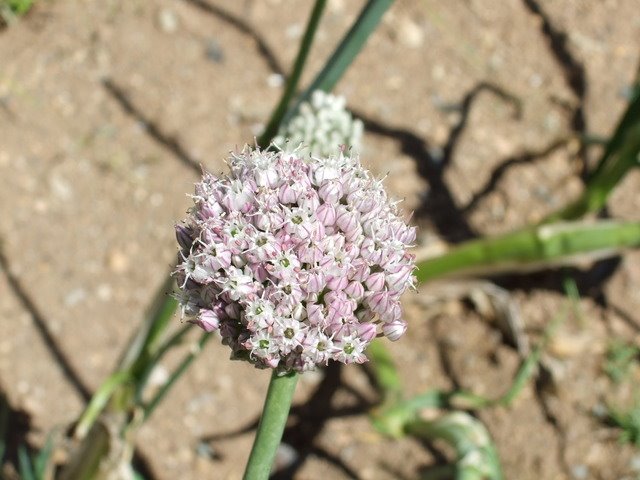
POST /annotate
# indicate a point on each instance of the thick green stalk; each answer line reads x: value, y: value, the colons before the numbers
x: 292, y: 84
x: 274, y: 416
x: 533, y: 248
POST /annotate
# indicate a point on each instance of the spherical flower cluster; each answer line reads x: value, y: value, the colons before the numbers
x: 321, y: 126
x: 294, y: 261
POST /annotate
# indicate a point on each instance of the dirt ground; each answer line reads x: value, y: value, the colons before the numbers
x: 472, y: 108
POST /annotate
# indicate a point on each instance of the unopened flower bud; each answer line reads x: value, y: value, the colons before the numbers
x: 367, y: 331
x: 375, y: 282
x: 183, y: 235
x: 208, y: 320
x: 355, y: 290
x: 330, y: 191
x: 394, y: 330
x: 326, y: 214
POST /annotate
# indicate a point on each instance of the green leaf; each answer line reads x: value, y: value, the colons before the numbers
x: 629, y: 422
x: 533, y: 248
x: 477, y: 457
x: 26, y: 469
x: 42, y: 460
x: 619, y: 157
x: 392, y: 419
x: 148, y: 337
x: 137, y: 475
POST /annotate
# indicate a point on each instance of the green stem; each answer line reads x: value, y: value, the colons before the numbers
x: 182, y: 368
x: 347, y: 51
x: 630, y: 118
x: 173, y: 341
x: 99, y: 401
x: 620, y: 156
x: 152, y: 329
x: 292, y: 84
x: 271, y: 427
x: 609, y: 173
x: 85, y: 463
x: 350, y: 46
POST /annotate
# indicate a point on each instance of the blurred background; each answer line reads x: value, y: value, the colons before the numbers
x: 484, y: 117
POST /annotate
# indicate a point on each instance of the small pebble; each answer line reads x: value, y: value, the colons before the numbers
x: 634, y: 464
x: 275, y: 80
x: 118, y: 262
x: 286, y: 456
x: 60, y: 187
x: 159, y: 376
x: 294, y: 31
x: 168, y: 21
x: 205, y: 450
x: 535, y: 80
x: 214, y: 51
x: 104, y: 292
x: 75, y: 297
x: 410, y: 33
x: 579, y: 472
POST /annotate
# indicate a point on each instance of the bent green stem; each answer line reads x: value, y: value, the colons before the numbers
x: 292, y: 84
x: 274, y: 416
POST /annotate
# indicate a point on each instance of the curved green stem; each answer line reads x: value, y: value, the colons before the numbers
x: 269, y: 434
x: 278, y: 114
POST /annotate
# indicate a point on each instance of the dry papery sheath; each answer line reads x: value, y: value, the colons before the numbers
x: 294, y: 261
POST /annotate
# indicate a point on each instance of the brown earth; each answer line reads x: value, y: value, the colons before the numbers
x: 107, y: 107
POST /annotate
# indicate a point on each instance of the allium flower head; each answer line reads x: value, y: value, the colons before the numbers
x: 294, y: 261
x: 321, y: 126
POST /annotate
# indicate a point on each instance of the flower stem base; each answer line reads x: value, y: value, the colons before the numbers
x: 274, y: 416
